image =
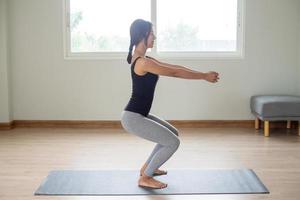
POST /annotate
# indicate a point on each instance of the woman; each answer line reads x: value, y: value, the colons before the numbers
x: 136, y: 118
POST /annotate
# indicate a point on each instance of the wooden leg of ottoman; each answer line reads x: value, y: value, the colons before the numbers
x: 288, y: 124
x: 299, y: 128
x: 266, y: 128
x: 256, y: 123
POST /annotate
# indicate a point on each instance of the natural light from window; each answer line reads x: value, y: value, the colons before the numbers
x: 103, y: 25
x: 189, y: 26
x: 197, y: 25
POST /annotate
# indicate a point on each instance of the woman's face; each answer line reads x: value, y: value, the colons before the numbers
x: 150, y: 40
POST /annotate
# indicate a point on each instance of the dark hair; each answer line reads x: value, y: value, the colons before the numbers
x: 139, y: 30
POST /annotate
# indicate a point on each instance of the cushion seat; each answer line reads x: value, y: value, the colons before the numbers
x: 275, y: 108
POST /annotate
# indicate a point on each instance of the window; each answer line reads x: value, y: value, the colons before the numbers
x: 184, y: 29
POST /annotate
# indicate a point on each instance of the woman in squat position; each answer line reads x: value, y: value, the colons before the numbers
x: 136, y: 117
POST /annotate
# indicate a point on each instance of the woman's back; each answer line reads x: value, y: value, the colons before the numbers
x: 143, y: 88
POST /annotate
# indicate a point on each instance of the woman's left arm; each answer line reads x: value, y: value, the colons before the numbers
x: 171, y: 65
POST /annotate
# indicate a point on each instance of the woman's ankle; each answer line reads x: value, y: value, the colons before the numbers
x: 146, y: 176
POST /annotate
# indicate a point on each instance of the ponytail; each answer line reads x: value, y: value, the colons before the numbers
x: 129, y: 57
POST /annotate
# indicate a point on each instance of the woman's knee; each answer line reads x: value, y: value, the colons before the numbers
x: 175, y: 142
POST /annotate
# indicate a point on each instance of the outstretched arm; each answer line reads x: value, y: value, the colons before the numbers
x: 171, y: 65
x: 180, y: 71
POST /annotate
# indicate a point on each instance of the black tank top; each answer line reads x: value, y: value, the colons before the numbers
x: 143, y: 88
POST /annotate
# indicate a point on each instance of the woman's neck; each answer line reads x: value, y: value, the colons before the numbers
x: 140, y: 50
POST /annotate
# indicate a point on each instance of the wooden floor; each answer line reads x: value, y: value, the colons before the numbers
x: 27, y: 155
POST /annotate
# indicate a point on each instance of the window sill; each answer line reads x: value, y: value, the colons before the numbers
x: 163, y: 56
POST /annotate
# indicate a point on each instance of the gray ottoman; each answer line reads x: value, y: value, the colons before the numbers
x: 275, y: 108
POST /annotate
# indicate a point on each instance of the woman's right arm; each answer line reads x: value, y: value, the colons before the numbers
x: 149, y: 65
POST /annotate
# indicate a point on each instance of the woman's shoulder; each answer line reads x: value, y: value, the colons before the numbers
x: 137, y: 65
x: 143, y: 61
x: 136, y: 58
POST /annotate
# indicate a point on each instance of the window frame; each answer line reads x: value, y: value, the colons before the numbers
x: 186, y: 55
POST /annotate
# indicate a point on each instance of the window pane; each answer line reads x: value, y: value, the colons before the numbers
x: 196, y: 25
x: 103, y: 25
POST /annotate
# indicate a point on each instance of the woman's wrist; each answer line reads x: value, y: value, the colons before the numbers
x: 203, y: 75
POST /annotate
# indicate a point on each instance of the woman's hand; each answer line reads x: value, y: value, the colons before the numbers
x: 212, y: 77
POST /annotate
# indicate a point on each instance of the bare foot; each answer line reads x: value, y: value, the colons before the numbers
x: 149, y: 182
x: 157, y: 172
x: 160, y: 172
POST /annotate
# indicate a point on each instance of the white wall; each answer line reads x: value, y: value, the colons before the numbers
x: 298, y: 49
x: 47, y: 87
x: 4, y: 69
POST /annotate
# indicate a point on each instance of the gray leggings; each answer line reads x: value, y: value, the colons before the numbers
x: 156, y: 130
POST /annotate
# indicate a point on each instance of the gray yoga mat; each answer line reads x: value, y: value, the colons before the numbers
x: 124, y: 182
